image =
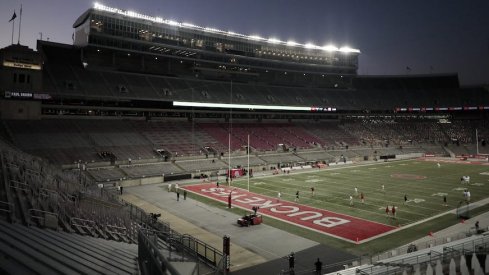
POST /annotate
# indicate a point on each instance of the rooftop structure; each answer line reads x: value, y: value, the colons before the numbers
x: 107, y: 27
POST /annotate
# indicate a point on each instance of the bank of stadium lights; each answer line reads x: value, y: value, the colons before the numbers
x: 292, y: 43
x: 274, y: 41
x: 347, y: 49
x: 330, y: 48
x: 213, y: 30
x: 189, y: 25
x: 173, y: 23
x: 310, y: 46
x: 160, y: 20
x: 256, y: 37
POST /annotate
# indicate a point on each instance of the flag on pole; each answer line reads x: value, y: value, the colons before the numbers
x: 13, y: 17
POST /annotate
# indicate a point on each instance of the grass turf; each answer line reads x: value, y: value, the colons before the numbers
x: 422, y: 182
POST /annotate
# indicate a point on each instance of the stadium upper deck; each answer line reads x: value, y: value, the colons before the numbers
x: 210, y: 50
x: 135, y: 64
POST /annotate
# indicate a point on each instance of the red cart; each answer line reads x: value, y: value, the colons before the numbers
x: 250, y: 219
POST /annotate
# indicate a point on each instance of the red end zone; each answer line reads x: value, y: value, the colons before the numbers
x: 337, y: 225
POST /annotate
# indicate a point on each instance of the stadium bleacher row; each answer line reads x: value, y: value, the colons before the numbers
x: 69, y: 141
x: 47, y: 197
x: 467, y: 255
x: 61, y: 222
x: 33, y: 250
x: 66, y: 76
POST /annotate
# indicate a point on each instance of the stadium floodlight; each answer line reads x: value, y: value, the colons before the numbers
x: 310, y: 46
x: 172, y: 23
x: 292, y: 43
x: 212, y: 29
x: 256, y: 37
x: 330, y: 48
x: 189, y: 25
x: 273, y: 40
x: 101, y: 7
x: 347, y: 49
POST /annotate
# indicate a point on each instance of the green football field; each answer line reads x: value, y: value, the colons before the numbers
x: 422, y: 182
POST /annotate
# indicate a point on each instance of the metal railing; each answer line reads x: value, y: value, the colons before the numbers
x: 77, y: 222
x: 430, y: 257
x: 43, y: 218
x: 368, y: 259
x: 114, y: 229
x: 151, y: 260
x: 475, y: 245
x: 184, y: 245
x: 6, y: 207
x: 187, y: 244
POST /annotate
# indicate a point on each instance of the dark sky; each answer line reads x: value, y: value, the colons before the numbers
x: 440, y: 36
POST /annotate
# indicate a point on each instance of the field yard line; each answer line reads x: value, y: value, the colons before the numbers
x: 377, y: 213
x: 424, y: 191
x: 476, y: 204
x: 313, y: 170
x: 429, y: 189
x: 347, y: 215
x: 345, y: 194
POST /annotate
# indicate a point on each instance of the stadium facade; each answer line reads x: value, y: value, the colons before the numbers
x: 211, y: 50
x: 133, y: 61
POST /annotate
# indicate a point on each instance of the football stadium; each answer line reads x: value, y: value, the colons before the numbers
x: 151, y: 146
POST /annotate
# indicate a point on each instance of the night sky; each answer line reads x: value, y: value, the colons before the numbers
x: 438, y: 36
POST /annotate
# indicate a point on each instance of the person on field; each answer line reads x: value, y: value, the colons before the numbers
x: 318, y: 266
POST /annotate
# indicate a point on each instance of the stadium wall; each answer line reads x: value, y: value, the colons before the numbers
x: 13, y: 109
x: 143, y: 181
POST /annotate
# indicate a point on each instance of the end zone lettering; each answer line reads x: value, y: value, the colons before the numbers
x: 334, y: 224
